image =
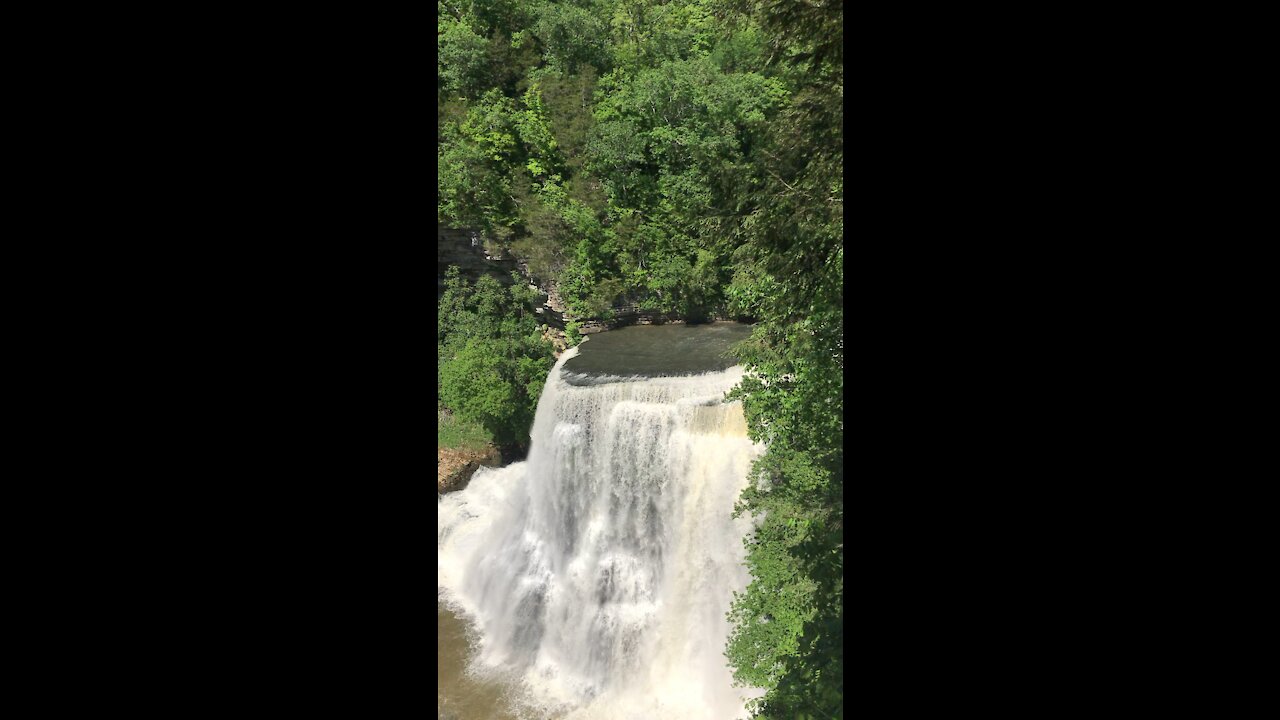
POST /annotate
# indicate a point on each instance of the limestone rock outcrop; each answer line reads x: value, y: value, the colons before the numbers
x: 455, y: 467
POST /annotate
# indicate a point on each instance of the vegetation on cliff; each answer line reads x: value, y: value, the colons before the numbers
x: 683, y: 156
x: 493, y: 360
x: 609, y: 143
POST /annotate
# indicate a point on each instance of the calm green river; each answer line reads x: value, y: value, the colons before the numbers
x: 658, y: 350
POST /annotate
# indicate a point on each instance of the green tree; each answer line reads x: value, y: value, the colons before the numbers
x: 788, y: 624
x: 493, y: 360
x: 460, y: 57
x: 573, y: 34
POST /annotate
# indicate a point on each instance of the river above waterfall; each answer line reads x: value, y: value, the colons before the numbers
x: 656, y: 351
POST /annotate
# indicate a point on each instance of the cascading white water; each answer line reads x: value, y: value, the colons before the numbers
x: 598, y: 572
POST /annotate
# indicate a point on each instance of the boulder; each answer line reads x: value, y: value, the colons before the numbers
x: 454, y: 467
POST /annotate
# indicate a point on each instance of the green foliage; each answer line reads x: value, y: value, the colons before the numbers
x: 474, y: 183
x: 452, y: 432
x: 568, y: 101
x: 491, y: 125
x: 620, y: 187
x: 649, y: 33
x: 574, y: 35
x: 461, y: 59
x: 573, y: 337
x: 788, y: 625
x: 474, y: 384
x: 535, y: 131
x: 495, y: 16
x: 493, y: 360
x: 544, y: 243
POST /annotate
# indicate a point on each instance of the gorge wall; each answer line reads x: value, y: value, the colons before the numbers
x: 466, y: 249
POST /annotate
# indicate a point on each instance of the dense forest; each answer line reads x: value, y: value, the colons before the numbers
x: 683, y: 156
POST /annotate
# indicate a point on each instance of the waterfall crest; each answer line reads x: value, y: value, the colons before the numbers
x: 598, y: 572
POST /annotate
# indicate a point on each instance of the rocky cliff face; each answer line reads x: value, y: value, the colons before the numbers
x: 466, y: 249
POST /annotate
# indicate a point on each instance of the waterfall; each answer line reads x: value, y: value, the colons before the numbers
x: 598, y: 572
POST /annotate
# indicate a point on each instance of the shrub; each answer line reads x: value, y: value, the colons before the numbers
x: 454, y: 432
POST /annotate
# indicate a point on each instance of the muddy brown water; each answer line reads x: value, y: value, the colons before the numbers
x: 459, y: 695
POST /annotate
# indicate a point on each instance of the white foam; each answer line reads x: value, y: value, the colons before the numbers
x: 599, y: 571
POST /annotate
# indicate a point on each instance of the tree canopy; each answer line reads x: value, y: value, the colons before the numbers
x: 493, y: 359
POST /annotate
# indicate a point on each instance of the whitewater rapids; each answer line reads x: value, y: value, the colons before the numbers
x: 598, y: 572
